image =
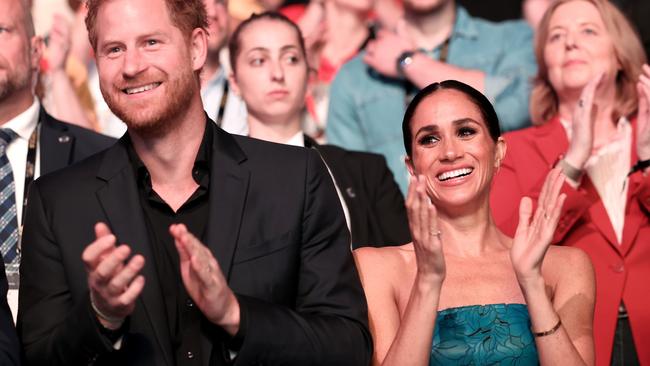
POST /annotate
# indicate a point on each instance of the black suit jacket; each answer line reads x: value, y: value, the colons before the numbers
x: 62, y: 144
x: 9, y: 345
x: 375, y: 203
x: 274, y: 225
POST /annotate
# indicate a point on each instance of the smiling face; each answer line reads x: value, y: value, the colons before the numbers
x: 271, y: 71
x: 578, y: 47
x: 452, y: 147
x: 147, y: 66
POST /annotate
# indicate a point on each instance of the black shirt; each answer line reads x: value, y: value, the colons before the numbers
x: 184, y: 318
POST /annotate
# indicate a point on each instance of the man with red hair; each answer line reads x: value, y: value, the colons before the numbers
x: 190, y: 261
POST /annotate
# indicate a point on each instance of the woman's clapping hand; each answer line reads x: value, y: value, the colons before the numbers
x: 423, y: 223
x: 533, y: 236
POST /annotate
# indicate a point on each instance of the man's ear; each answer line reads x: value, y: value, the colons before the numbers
x: 198, y: 48
x: 36, y: 52
x: 500, y: 152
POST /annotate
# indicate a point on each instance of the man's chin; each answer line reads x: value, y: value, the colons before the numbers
x: 149, y: 124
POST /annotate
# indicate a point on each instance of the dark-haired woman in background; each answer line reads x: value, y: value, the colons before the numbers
x: 591, y: 110
x: 463, y: 292
x: 270, y: 71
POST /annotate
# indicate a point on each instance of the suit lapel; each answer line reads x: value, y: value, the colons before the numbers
x: 553, y: 132
x: 228, y: 190
x: 55, y: 145
x: 121, y: 203
x: 334, y: 159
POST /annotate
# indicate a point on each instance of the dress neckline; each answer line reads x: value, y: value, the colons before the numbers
x: 467, y: 307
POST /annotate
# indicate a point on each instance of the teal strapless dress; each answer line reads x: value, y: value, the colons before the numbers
x: 497, y: 334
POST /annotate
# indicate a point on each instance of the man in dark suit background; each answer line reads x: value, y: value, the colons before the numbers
x: 38, y: 144
x: 274, y: 283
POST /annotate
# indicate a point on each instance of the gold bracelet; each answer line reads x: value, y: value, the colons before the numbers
x: 548, y: 332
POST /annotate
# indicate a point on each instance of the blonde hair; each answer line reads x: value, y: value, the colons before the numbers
x: 629, y: 54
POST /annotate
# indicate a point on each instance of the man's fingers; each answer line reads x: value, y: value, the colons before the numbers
x: 110, y: 264
x: 132, y: 292
x: 94, y: 253
x: 177, y: 231
x: 101, y: 229
x: 123, y: 278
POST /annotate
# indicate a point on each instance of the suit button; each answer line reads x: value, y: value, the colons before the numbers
x: 618, y: 268
x: 189, y: 303
x: 190, y: 355
x: 63, y: 139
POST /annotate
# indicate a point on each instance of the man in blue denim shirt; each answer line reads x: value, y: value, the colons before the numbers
x: 437, y: 40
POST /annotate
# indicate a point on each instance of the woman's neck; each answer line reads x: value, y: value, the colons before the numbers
x: 470, y: 231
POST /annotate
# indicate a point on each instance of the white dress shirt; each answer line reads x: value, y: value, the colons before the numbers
x: 23, y: 125
x: 234, y: 116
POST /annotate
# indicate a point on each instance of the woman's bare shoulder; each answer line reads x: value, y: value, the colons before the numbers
x: 562, y: 257
x: 563, y: 262
x: 384, y: 258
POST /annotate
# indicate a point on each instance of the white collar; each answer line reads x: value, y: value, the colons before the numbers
x: 25, y: 123
x: 297, y: 140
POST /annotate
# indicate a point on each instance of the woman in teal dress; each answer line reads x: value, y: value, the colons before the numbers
x: 463, y: 293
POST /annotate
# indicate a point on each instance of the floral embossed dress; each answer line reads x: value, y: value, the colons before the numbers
x: 496, y: 334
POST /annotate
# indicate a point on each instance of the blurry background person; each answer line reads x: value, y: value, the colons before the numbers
x: 223, y: 106
x: 591, y: 111
x: 463, y: 293
x: 70, y: 86
x: 32, y: 142
x: 637, y: 12
x: 270, y: 72
x: 436, y: 40
x: 66, y: 93
x: 335, y: 31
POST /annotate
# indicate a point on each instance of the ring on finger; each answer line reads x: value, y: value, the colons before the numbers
x: 437, y: 233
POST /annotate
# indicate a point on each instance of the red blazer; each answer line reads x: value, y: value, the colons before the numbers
x: 622, y: 270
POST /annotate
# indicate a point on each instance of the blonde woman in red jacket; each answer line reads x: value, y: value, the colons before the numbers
x: 590, y: 105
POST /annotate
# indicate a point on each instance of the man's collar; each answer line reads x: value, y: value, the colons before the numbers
x: 25, y: 123
x: 202, y: 161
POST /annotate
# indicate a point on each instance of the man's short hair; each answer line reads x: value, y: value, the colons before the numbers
x: 186, y: 15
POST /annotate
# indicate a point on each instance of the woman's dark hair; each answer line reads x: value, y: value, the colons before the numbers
x: 234, y: 44
x: 487, y: 110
